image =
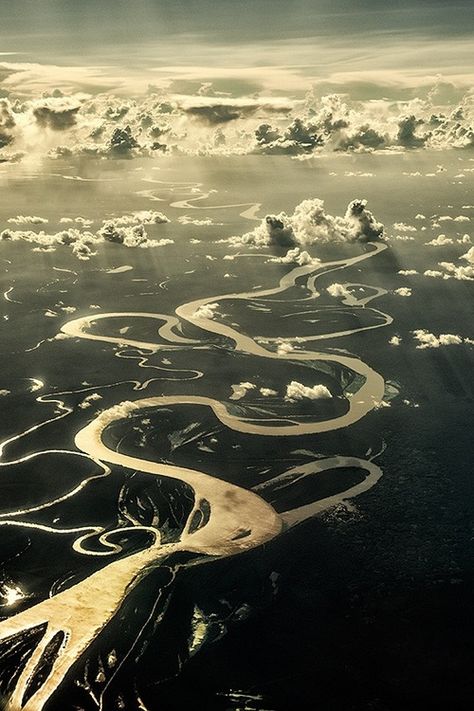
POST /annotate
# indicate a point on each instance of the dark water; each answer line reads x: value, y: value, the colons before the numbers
x: 366, y: 606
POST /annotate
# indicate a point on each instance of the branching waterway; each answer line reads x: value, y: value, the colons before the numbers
x: 223, y: 520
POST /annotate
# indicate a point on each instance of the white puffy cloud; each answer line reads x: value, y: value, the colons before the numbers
x: 120, y: 411
x: 403, y: 291
x: 395, y: 340
x: 27, y: 220
x: 128, y: 230
x: 296, y: 256
x: 300, y: 137
x: 440, y: 241
x: 49, y: 242
x: 407, y: 272
x: 206, y: 311
x: 451, y: 270
x: 82, y: 221
x: 284, y: 346
x: 435, y: 274
x: 379, y: 404
x: 89, y: 399
x: 140, y: 217
x: 268, y: 392
x: 298, y: 391
x: 206, y: 221
x: 241, y: 389
x: 429, y: 340
x: 403, y: 227
x: 468, y: 256
x: 338, y: 290
x: 310, y: 223
x: 404, y: 238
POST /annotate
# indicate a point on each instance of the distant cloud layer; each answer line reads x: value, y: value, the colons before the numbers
x: 210, y: 123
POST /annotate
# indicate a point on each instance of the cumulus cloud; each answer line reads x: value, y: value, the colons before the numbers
x: 89, y: 399
x: 408, y: 134
x: 310, y: 223
x: 403, y: 227
x: 298, y: 391
x: 434, y: 274
x: 133, y: 236
x: 27, y: 220
x: 469, y: 256
x: 128, y: 230
x: 239, y: 391
x: 439, y: 241
x: 450, y: 270
x: 395, y: 340
x: 206, y: 311
x: 49, y: 242
x: 7, y: 123
x: 404, y: 238
x: 268, y: 392
x: 284, y: 346
x: 120, y: 411
x: 122, y: 142
x: 338, y: 290
x: 403, y: 291
x: 429, y: 340
x: 212, y: 124
x: 296, y: 256
x: 299, y: 137
x: 206, y: 221
x: 56, y: 113
x: 83, y: 221
x: 141, y: 217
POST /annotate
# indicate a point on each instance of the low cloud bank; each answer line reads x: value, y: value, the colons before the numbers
x: 154, y: 123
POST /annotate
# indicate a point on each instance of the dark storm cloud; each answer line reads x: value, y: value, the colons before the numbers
x: 300, y: 136
x: 7, y: 123
x: 214, y: 113
x: 59, y: 114
x: 217, y: 113
x: 408, y: 134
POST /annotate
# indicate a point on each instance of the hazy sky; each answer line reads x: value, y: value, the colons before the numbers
x: 242, y: 45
